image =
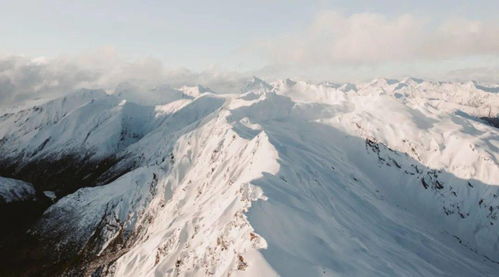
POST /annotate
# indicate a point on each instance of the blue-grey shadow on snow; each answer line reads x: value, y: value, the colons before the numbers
x: 343, y: 205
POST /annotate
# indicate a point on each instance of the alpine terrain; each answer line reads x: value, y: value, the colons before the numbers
x: 284, y: 178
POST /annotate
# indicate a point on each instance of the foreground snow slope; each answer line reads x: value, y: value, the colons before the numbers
x: 388, y: 178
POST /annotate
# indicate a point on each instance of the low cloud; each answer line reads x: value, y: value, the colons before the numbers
x: 368, y: 38
x: 333, y: 47
x: 24, y: 78
x: 481, y: 74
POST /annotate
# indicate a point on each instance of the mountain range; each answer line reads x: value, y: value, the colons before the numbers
x: 283, y: 178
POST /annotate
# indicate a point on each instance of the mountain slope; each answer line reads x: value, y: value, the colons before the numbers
x: 288, y: 178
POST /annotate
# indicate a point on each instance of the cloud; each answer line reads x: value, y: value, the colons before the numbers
x: 24, y: 78
x: 332, y: 47
x: 369, y: 38
x: 481, y: 74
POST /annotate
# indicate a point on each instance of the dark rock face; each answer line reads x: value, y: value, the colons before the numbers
x: 22, y: 251
x: 63, y: 175
x: 493, y: 121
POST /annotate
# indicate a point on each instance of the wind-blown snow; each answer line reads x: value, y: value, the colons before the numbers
x: 388, y: 178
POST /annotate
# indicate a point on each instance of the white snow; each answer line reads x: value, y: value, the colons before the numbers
x: 50, y: 194
x: 287, y: 178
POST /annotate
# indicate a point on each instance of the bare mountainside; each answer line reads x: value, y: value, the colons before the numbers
x: 289, y: 178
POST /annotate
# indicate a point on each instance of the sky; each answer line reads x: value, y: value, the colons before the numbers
x: 313, y: 40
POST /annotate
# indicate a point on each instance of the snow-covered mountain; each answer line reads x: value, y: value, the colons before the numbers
x: 288, y: 178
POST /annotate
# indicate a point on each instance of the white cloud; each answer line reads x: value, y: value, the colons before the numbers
x: 481, y: 74
x: 368, y: 38
x: 333, y: 47
x: 24, y: 78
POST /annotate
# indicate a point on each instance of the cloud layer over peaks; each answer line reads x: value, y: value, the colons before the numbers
x: 370, y: 38
x: 23, y: 79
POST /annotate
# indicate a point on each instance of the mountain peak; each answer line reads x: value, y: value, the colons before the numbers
x: 256, y: 83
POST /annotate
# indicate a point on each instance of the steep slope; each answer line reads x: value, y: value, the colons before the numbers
x: 341, y: 205
x: 288, y: 178
x: 69, y: 142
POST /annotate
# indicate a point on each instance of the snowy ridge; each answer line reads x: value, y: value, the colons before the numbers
x: 178, y: 190
x: 90, y: 121
x: 286, y: 178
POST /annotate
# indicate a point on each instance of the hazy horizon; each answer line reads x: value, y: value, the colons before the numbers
x: 313, y: 40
